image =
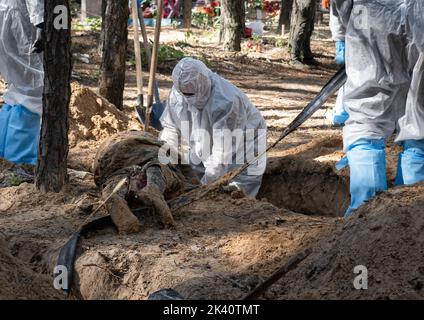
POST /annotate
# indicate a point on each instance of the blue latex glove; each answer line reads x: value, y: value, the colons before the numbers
x: 340, y: 52
x: 338, y: 115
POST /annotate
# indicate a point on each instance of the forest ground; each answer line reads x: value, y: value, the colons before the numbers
x: 223, y: 246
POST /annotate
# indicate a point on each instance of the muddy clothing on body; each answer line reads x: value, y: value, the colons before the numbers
x: 133, y: 157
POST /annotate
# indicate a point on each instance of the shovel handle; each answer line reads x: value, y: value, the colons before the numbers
x: 137, y: 49
x: 153, y: 64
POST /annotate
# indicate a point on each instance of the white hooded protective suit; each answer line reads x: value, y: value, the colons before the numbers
x: 22, y: 69
x: 202, y: 110
x: 385, y: 65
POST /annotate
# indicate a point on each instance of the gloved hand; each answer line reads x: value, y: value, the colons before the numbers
x: 340, y: 52
x: 38, y: 45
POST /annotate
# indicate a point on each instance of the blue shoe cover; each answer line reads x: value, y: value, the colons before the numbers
x: 4, y: 124
x: 23, y: 135
x: 367, y: 162
x: 411, y: 163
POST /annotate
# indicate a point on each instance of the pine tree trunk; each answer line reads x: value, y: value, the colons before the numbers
x: 285, y: 15
x: 187, y: 13
x: 233, y: 18
x: 51, y: 173
x: 114, y: 55
x: 302, y: 26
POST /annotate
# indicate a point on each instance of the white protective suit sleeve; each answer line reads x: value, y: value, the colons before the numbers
x: 208, y: 102
x: 22, y: 69
x: 340, y: 11
x: 36, y: 11
x: 171, y: 123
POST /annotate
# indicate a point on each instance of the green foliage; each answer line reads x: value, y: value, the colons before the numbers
x: 15, y: 180
x: 205, y: 21
x: 93, y: 24
x: 166, y: 53
x: 280, y: 43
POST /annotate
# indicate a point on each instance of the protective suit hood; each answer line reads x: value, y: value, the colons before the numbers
x: 192, y: 79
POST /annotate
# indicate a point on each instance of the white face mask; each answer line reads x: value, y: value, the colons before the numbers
x: 192, y: 76
x: 195, y: 102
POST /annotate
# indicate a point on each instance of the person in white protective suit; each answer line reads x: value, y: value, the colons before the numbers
x: 21, y: 65
x: 218, y: 123
x: 338, y: 115
x: 384, y: 92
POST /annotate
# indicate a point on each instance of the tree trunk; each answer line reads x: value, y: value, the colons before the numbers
x: 233, y: 16
x: 302, y: 26
x: 285, y: 15
x: 114, y: 55
x: 187, y: 13
x: 51, y: 173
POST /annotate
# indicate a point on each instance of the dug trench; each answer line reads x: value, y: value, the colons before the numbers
x: 305, y: 180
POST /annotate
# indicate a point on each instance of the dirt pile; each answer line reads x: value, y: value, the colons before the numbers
x: 18, y: 281
x: 93, y: 117
x: 386, y: 236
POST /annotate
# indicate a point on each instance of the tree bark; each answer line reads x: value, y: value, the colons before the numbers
x: 51, y: 173
x: 187, y: 13
x: 285, y: 15
x: 302, y: 26
x: 114, y: 51
x: 233, y: 18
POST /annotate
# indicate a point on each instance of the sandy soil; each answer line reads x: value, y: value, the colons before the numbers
x: 223, y: 246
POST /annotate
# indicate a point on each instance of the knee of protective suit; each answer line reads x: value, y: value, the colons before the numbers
x: 4, y: 124
x: 367, y: 163
x: 22, y: 138
x: 411, y: 163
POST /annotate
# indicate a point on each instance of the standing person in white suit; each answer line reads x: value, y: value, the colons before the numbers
x: 203, y: 111
x: 384, y: 92
x: 21, y: 64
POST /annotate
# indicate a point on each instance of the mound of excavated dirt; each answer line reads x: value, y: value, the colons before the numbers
x: 93, y: 117
x: 17, y: 281
x: 386, y: 236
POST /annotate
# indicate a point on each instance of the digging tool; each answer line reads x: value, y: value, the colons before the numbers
x: 145, y: 38
x: 138, y: 63
x: 158, y: 107
x: 335, y: 83
x: 153, y: 65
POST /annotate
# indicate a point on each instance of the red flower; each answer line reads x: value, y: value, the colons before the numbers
x: 215, y: 4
